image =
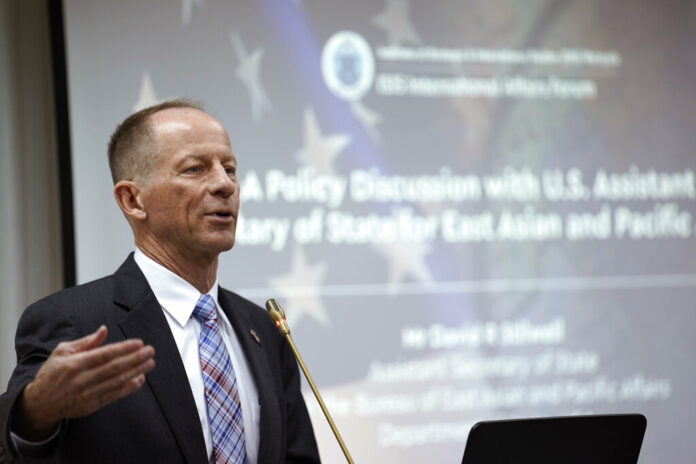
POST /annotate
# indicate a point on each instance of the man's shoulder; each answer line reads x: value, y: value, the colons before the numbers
x: 89, y: 290
x: 88, y: 305
x: 98, y: 289
x: 66, y: 314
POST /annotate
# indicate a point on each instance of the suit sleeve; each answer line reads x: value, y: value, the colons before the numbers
x: 301, y: 445
x: 41, y: 328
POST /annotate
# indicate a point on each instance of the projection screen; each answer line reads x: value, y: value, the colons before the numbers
x: 469, y: 210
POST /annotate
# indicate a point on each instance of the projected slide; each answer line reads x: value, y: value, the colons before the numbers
x: 469, y: 210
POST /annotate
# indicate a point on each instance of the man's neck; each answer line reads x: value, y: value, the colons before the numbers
x: 200, y: 273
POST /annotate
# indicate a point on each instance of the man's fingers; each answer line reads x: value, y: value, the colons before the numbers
x: 88, y: 342
x: 105, y: 354
x: 81, y: 376
x: 117, y: 367
x: 119, y: 381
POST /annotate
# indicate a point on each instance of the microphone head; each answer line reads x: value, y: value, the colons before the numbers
x: 278, y: 316
x: 274, y: 308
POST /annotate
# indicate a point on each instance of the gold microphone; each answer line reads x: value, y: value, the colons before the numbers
x: 278, y: 316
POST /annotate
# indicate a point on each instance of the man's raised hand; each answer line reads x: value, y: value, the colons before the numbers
x: 79, y: 378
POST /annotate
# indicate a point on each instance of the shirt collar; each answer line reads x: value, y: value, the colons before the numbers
x: 174, y: 294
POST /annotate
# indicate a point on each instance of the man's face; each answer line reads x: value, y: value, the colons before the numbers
x: 192, y: 196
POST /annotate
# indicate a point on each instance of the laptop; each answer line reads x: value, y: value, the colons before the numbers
x: 599, y: 439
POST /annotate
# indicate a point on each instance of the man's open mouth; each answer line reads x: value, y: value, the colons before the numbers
x: 223, y: 214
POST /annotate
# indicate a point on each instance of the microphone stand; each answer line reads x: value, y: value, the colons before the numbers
x: 278, y: 316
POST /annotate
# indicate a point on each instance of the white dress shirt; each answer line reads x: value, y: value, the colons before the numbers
x: 178, y: 299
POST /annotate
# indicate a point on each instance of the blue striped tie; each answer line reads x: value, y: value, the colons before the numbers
x: 221, y: 394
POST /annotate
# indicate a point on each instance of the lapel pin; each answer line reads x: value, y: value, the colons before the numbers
x: 255, y: 336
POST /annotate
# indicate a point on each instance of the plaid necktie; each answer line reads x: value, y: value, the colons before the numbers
x: 221, y: 394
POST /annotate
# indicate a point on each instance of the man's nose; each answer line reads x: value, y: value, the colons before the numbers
x: 222, y: 183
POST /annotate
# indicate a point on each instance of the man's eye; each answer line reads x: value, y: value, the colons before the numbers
x: 231, y: 171
x: 194, y: 169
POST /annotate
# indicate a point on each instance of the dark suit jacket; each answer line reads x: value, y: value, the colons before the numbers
x: 158, y: 423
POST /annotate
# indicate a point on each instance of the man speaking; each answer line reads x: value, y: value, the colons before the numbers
x: 156, y: 363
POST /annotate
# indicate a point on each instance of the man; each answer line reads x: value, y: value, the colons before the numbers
x: 156, y: 363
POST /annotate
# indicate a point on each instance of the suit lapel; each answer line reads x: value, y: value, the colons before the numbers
x: 255, y: 355
x: 143, y: 318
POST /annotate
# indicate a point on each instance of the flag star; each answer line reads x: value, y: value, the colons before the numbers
x: 187, y: 8
x: 248, y: 72
x: 147, y: 96
x: 405, y: 259
x: 319, y: 150
x: 300, y: 289
x: 367, y: 117
x: 395, y: 21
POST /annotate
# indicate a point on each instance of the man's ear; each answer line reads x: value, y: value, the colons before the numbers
x: 127, y: 195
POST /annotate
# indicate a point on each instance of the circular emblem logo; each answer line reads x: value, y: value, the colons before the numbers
x: 348, y: 65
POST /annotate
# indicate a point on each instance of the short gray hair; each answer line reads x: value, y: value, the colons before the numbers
x: 132, y: 146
